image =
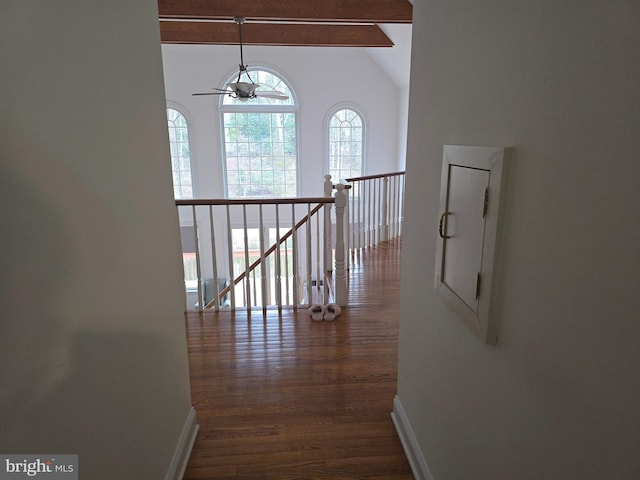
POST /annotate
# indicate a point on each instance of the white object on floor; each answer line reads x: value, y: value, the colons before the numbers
x: 331, y: 312
x: 317, y: 312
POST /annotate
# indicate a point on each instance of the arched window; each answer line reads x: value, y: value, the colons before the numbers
x: 260, y: 141
x: 346, y: 144
x: 180, y: 156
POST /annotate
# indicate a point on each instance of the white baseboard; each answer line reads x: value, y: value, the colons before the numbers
x: 183, y: 449
x: 409, y: 443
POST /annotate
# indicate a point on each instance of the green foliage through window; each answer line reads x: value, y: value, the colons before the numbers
x: 346, y: 143
x: 260, y: 146
x: 180, y: 156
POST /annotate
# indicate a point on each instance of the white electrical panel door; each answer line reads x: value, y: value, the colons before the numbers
x: 463, y: 230
x: 471, y: 195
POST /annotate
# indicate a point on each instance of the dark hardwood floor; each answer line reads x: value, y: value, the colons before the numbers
x: 283, y: 397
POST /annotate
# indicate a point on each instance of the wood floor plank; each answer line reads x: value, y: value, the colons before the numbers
x: 279, y: 396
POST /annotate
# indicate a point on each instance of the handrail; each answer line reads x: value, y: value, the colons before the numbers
x: 255, y: 201
x: 270, y: 250
x: 372, y: 177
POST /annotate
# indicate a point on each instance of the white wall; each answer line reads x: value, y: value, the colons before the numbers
x: 396, y: 62
x: 403, y: 129
x: 321, y: 79
x: 558, y: 397
x: 88, y: 218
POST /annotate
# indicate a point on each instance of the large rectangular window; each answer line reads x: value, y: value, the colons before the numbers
x: 260, y: 154
x: 259, y: 138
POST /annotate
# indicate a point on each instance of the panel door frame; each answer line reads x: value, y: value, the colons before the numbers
x: 494, y: 160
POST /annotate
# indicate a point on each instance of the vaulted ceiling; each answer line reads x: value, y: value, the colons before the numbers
x: 339, y: 23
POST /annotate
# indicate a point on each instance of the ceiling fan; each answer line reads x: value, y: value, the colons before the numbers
x: 244, y: 91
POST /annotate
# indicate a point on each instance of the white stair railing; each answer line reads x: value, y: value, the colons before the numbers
x: 275, y: 256
x: 376, y: 209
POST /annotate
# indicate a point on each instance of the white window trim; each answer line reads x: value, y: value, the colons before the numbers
x: 325, y: 134
x: 254, y: 108
x: 187, y: 117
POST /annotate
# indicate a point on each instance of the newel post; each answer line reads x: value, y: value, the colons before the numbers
x: 340, y: 272
x: 328, y: 192
x: 328, y: 186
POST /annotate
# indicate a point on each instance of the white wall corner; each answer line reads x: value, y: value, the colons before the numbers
x: 182, y: 453
x: 409, y: 443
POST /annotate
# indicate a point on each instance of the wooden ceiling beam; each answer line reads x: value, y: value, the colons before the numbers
x: 223, y: 33
x: 354, y: 11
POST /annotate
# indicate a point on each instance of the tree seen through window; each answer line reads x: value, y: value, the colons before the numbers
x: 180, y: 156
x: 346, y: 133
x: 260, y: 146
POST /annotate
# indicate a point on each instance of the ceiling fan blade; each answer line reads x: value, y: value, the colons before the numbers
x: 271, y: 94
x: 220, y: 91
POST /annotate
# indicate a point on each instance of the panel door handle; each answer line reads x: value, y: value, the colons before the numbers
x: 442, y: 224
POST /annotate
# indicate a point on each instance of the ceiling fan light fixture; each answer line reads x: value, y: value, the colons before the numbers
x: 243, y: 89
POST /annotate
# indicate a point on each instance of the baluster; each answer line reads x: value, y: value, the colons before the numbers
x: 263, y: 269
x: 230, y: 260
x: 374, y: 210
x: 247, y: 282
x: 368, y: 219
x: 319, y: 249
x: 363, y: 221
x: 350, y: 219
x: 379, y: 211
x: 278, y: 274
x: 370, y: 210
x: 326, y: 248
x: 396, y: 214
x: 340, y: 274
x: 198, y: 270
x: 184, y: 274
x: 347, y: 225
x: 379, y: 220
x: 401, y: 215
x: 360, y: 215
x: 394, y: 207
x: 365, y: 209
x: 308, y: 263
x: 398, y: 204
x: 254, y: 286
x: 294, y: 257
x: 286, y: 273
x: 387, y: 207
x: 385, y: 211
x: 214, y: 261
x: 348, y: 229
